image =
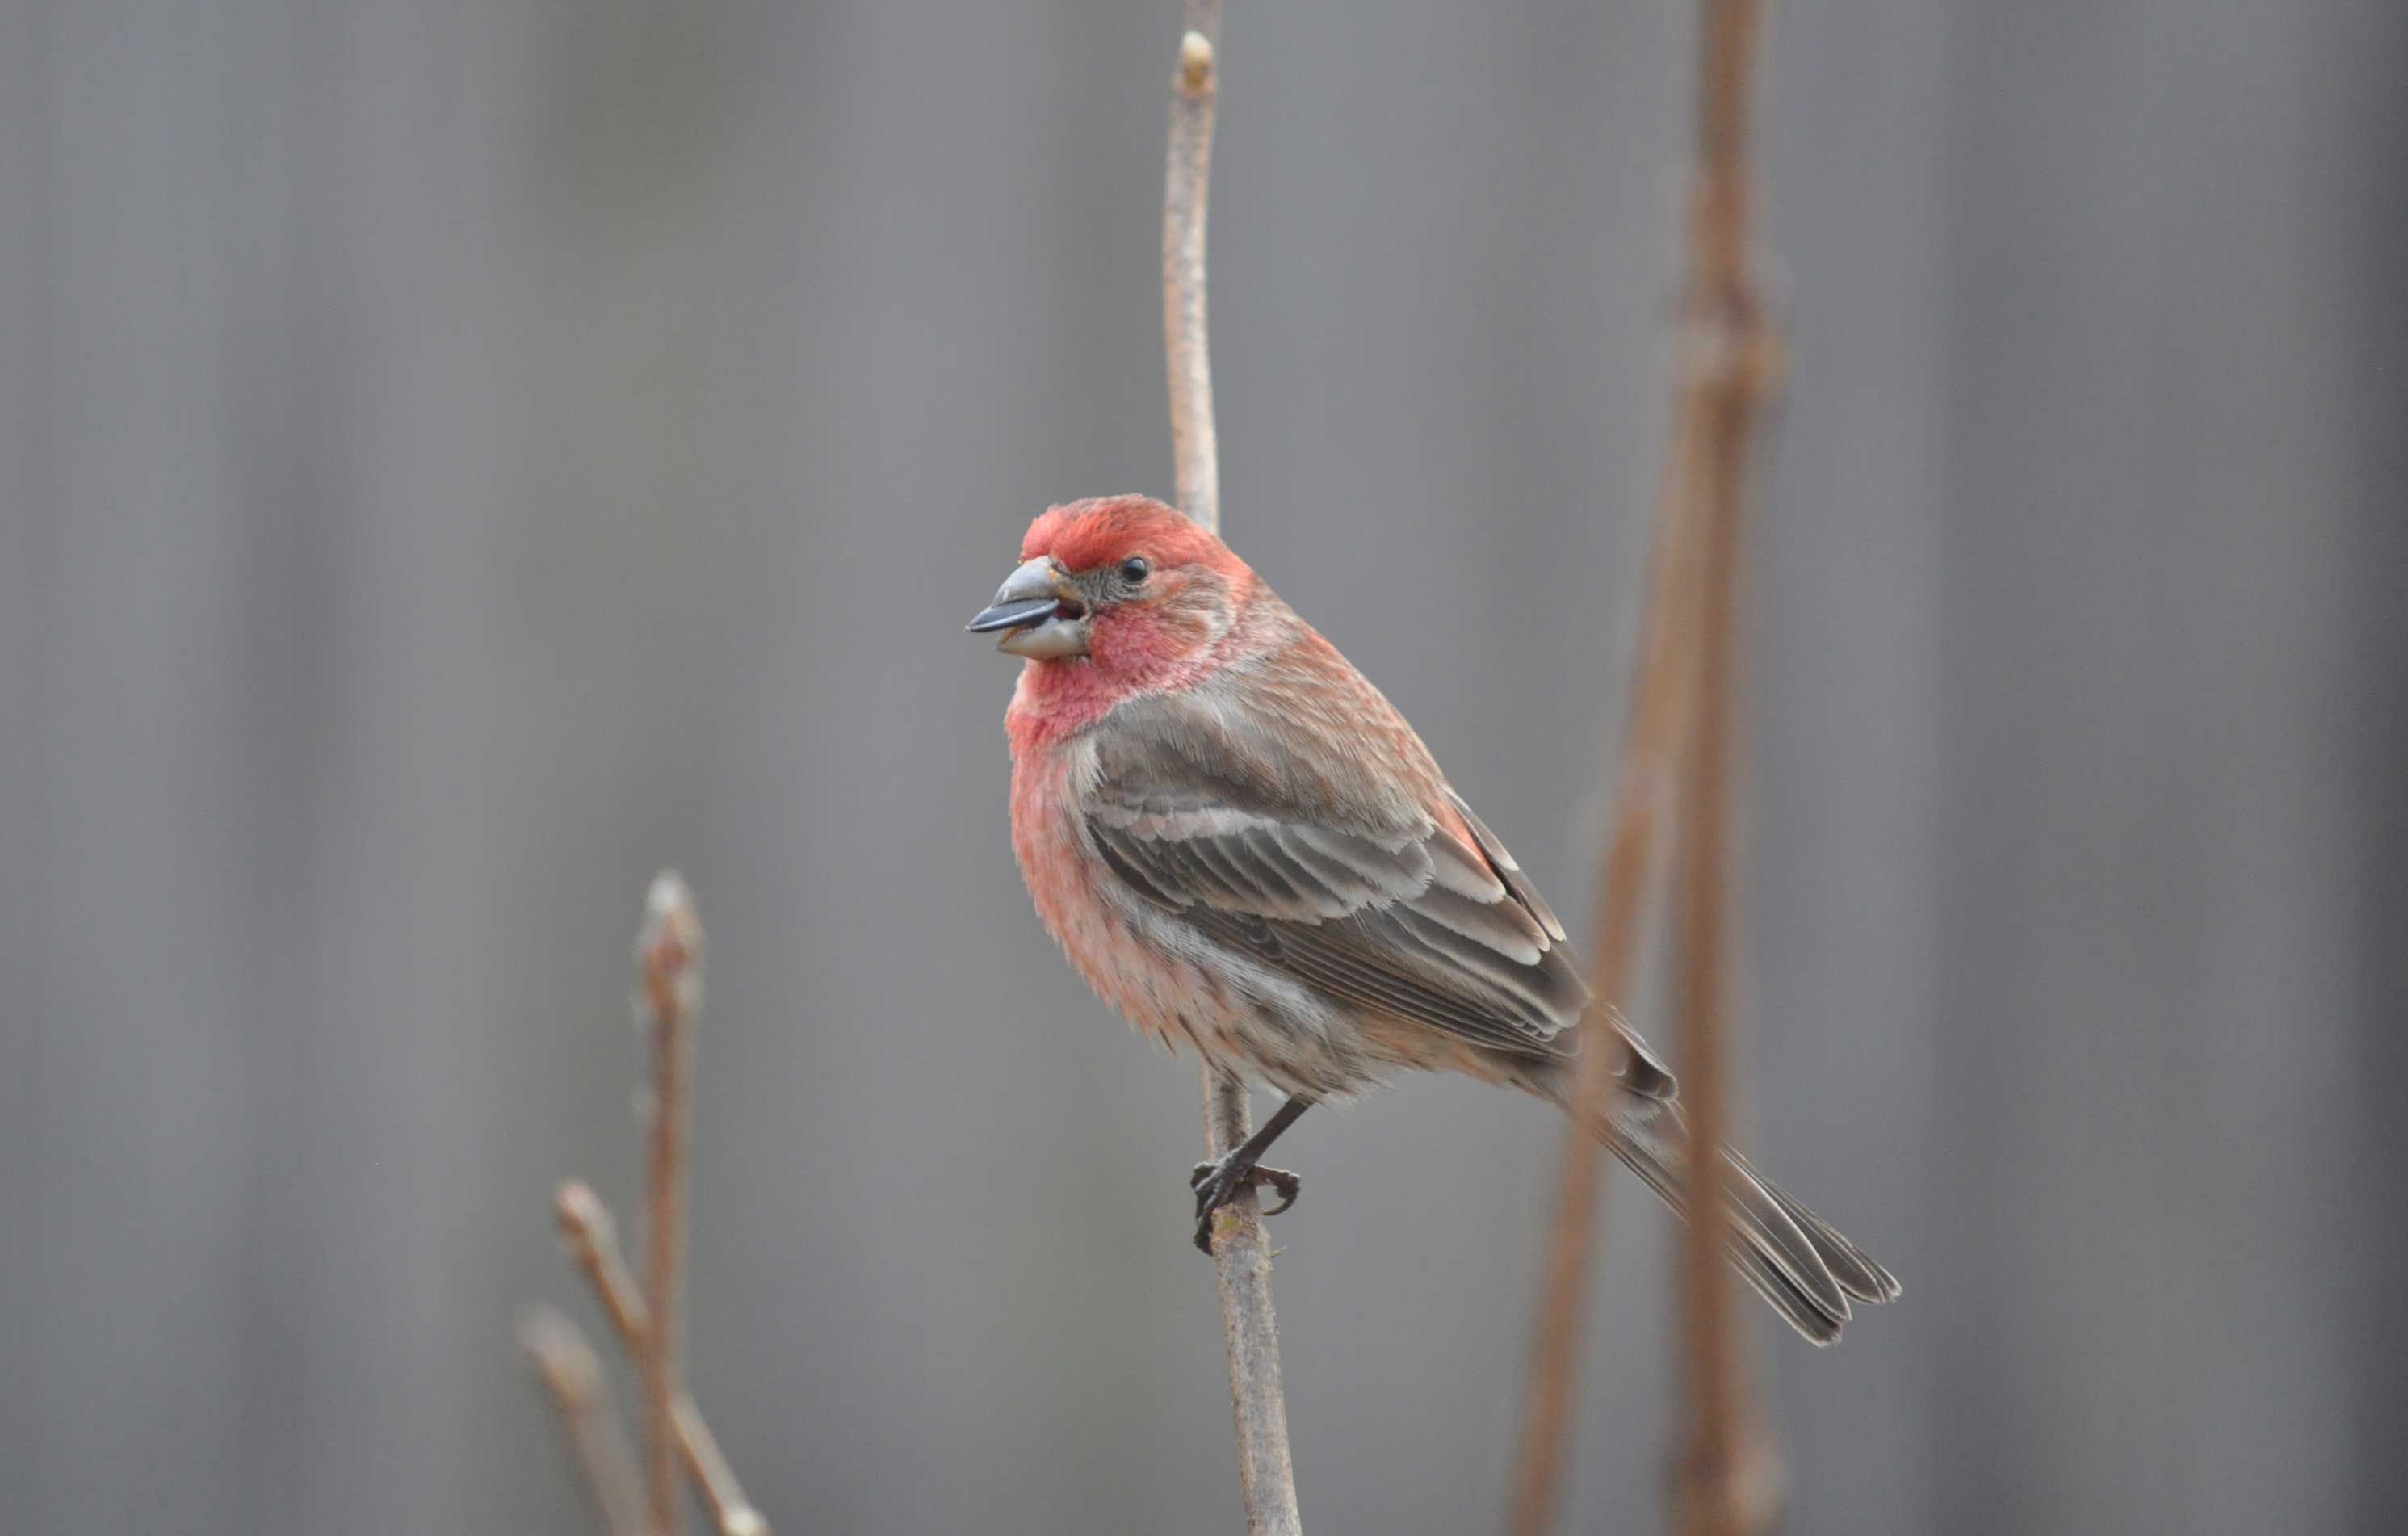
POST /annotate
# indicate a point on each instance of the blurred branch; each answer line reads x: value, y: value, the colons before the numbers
x: 1729, y: 365
x: 1732, y: 362
x: 564, y: 1363
x: 1654, y: 733
x: 669, y: 954
x: 1241, y: 1256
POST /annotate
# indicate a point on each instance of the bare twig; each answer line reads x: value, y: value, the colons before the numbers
x: 1240, y: 1257
x: 669, y: 950
x: 593, y: 1237
x: 1733, y: 363
x: 734, y: 1513
x: 1241, y: 1262
x: 564, y: 1363
x: 594, y: 1241
x: 1187, y: 186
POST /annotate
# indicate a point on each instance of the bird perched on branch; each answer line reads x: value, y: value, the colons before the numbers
x: 1243, y: 847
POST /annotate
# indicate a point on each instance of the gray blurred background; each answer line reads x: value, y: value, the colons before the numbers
x: 460, y: 457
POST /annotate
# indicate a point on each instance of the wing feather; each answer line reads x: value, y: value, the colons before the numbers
x: 1414, y: 912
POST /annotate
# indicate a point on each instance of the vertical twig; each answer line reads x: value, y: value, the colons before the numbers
x: 592, y: 1238
x: 564, y: 1363
x: 1241, y: 1263
x: 670, y: 951
x: 1241, y: 1256
x: 1187, y: 186
x: 1732, y: 362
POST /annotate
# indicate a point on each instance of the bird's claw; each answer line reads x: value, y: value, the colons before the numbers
x: 1216, y: 1184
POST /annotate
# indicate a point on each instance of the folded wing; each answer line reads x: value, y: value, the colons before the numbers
x: 1415, y: 911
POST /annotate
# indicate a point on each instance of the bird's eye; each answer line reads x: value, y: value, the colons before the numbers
x: 1135, y: 569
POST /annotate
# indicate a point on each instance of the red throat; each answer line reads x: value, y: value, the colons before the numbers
x: 1132, y: 653
x: 1056, y: 699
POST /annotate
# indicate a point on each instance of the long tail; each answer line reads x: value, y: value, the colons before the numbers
x: 1791, y: 1257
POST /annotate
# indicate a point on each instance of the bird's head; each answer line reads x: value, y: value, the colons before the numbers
x: 1123, y: 585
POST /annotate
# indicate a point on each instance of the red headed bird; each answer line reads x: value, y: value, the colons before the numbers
x: 1243, y: 847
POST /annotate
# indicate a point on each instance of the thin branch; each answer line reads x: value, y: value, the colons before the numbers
x: 565, y: 1364
x: 1241, y: 1262
x: 669, y: 950
x: 593, y: 1238
x: 733, y: 1511
x: 593, y: 1242
x: 1240, y: 1256
x: 1187, y: 186
x: 1733, y: 364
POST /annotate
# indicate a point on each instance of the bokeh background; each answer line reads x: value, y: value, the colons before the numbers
x: 460, y: 457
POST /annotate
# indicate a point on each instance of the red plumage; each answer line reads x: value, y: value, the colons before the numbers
x: 1086, y: 533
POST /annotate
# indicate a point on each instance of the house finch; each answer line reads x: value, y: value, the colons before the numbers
x: 1243, y: 847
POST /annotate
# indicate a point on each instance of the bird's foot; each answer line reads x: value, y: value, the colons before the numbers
x: 1217, y: 1182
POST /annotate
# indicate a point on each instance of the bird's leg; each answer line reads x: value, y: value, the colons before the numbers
x: 1217, y: 1182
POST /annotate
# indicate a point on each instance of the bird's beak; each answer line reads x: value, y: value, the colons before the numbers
x: 1041, y: 611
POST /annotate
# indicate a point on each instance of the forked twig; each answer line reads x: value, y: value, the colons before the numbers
x: 592, y: 1240
x: 1240, y: 1257
x: 669, y: 954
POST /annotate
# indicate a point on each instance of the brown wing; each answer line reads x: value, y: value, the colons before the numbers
x: 1414, y: 912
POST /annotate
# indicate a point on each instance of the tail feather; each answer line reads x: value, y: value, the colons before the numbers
x: 1850, y: 1265
x: 1786, y: 1254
